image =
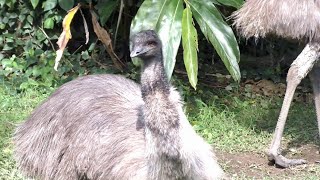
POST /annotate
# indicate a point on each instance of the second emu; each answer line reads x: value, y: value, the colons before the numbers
x: 297, y: 19
x: 103, y: 127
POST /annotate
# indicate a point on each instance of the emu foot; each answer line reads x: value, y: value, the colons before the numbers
x: 284, y: 162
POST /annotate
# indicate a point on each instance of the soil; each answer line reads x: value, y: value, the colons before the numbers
x: 257, y: 166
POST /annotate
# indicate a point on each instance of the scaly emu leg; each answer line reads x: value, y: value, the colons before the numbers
x: 315, y: 79
x: 298, y: 70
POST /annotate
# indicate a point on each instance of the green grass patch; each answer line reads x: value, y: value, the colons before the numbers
x: 14, y: 108
x: 236, y: 123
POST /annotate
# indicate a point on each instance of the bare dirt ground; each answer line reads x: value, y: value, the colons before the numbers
x: 256, y: 166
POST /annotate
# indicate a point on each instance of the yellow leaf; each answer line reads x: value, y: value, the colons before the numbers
x: 65, y: 35
x: 68, y: 19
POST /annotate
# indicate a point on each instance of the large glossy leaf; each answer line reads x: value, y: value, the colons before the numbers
x: 234, y: 3
x: 165, y: 18
x: 190, y: 46
x: 218, y: 33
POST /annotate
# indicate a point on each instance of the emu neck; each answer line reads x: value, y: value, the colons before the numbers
x: 161, y: 122
x: 155, y: 91
x: 153, y: 77
x: 160, y: 112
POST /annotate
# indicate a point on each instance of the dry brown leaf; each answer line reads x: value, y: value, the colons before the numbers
x: 104, y: 37
x: 65, y: 35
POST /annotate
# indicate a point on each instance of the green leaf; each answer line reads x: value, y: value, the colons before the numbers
x: 190, y: 46
x: 85, y: 55
x: 66, y: 4
x: 48, y: 23
x: 165, y: 18
x: 218, y: 33
x: 2, y: 2
x: 30, y: 19
x: 7, y: 47
x: 10, y: 3
x: 22, y: 17
x: 34, y: 3
x: 105, y: 9
x: 49, y: 4
x: 234, y: 3
x: 6, y: 63
x: 12, y: 15
x: 36, y: 71
x: 5, y: 20
x: 28, y: 84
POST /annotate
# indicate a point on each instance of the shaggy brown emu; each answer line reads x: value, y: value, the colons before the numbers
x: 105, y: 127
x: 299, y: 19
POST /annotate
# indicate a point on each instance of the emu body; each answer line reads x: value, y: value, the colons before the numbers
x: 87, y: 129
x: 103, y: 127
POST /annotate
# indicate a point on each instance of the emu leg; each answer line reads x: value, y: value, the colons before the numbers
x: 315, y: 79
x: 298, y: 70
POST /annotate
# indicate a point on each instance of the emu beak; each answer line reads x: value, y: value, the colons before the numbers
x: 133, y: 54
x: 136, y: 51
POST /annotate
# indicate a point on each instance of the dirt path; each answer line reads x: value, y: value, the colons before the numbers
x: 253, y: 165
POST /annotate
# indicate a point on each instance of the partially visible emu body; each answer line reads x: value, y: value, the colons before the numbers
x: 298, y: 19
x: 106, y: 127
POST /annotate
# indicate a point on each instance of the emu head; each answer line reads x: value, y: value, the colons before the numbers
x: 145, y: 44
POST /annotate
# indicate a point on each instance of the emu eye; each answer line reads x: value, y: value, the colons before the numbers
x: 151, y: 43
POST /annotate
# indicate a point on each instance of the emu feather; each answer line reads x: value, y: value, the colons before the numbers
x: 287, y: 18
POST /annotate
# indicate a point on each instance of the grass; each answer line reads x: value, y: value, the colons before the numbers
x: 236, y: 125
x: 239, y: 124
x: 14, y: 107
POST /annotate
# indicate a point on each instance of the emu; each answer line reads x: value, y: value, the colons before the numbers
x: 297, y: 19
x: 101, y: 127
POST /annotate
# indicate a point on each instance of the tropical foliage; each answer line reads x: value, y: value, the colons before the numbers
x: 173, y: 21
x: 29, y: 32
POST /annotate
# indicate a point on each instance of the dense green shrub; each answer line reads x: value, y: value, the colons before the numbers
x: 28, y: 34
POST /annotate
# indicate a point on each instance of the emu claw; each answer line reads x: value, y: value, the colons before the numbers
x: 285, y: 162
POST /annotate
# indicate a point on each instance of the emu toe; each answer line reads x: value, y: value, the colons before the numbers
x: 284, y: 162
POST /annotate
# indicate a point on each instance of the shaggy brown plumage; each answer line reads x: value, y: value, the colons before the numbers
x: 287, y: 18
